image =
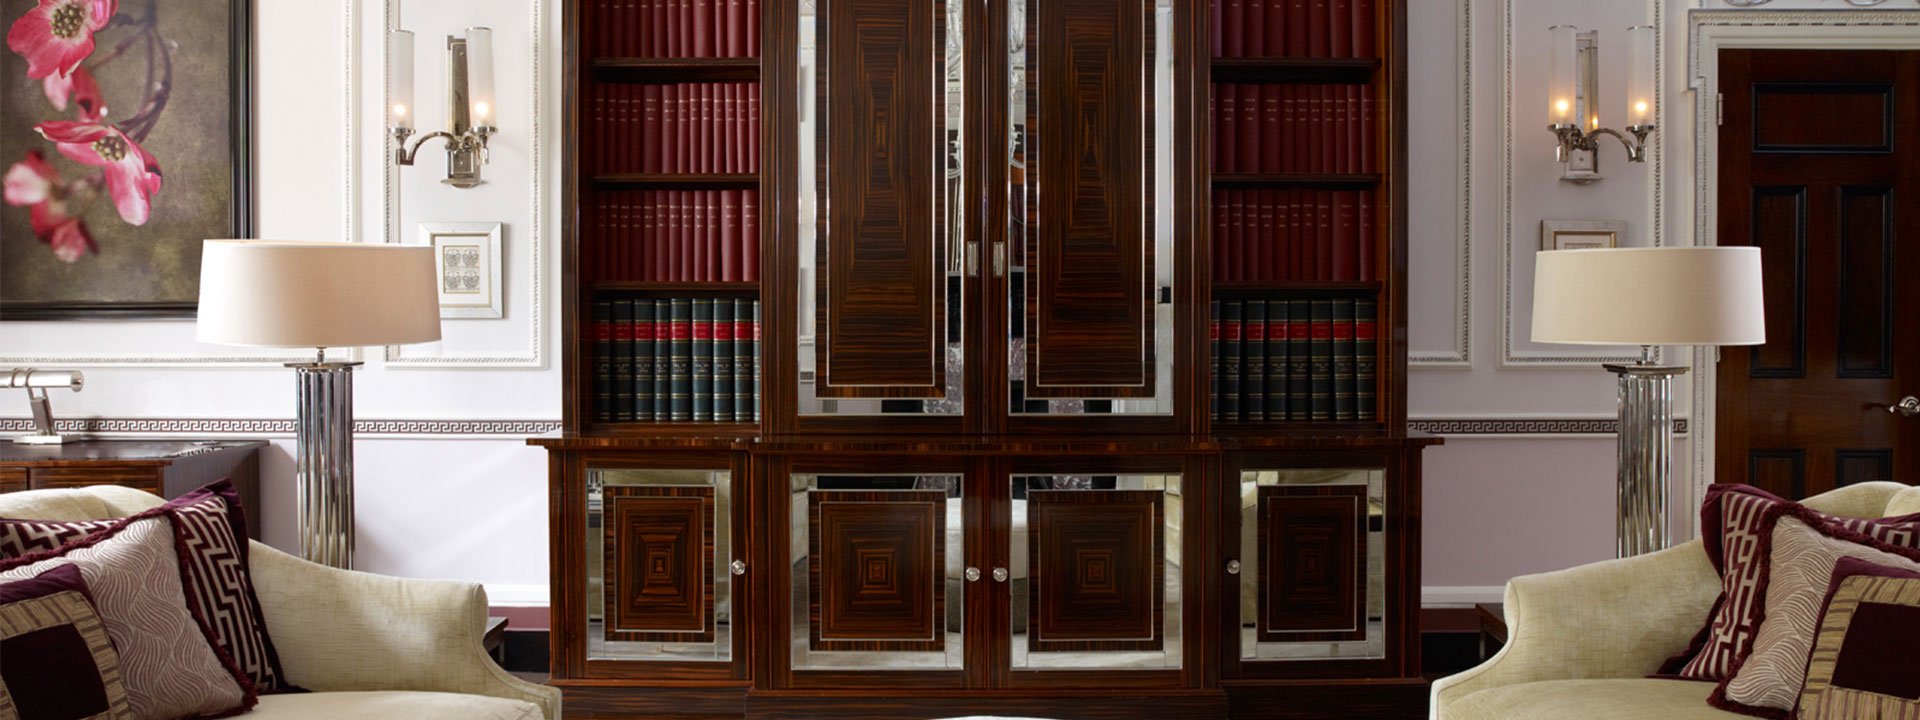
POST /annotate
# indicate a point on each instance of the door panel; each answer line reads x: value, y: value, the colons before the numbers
x: 658, y: 552
x: 1821, y: 193
x: 1317, y: 586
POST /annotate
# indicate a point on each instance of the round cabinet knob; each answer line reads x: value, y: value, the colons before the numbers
x: 999, y: 574
x: 1233, y: 567
x: 739, y: 567
x: 973, y: 574
x: 1908, y: 406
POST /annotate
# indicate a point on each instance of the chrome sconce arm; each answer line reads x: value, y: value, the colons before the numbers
x: 466, y: 152
x: 1574, y: 144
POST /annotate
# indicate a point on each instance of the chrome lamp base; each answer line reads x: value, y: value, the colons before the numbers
x: 323, y: 476
x: 1645, y: 454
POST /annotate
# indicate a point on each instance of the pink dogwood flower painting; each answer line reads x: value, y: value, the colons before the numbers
x: 133, y: 176
x: 79, y: 88
x: 57, y: 35
x: 35, y: 183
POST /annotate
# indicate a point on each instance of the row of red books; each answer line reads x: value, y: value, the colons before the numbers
x: 1294, y: 28
x: 677, y: 128
x: 1294, y: 128
x: 676, y: 236
x: 674, y: 28
x: 1294, y: 235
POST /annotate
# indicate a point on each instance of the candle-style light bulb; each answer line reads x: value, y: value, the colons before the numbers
x: 1561, y: 54
x: 480, y: 76
x: 1641, y: 83
x: 400, y: 69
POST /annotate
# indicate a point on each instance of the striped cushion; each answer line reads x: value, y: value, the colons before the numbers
x: 1863, y: 664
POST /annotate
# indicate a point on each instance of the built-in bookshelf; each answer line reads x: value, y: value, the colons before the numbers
x: 1300, y: 213
x: 668, y: 227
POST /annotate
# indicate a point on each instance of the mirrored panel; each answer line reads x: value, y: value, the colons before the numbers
x: 1095, y: 568
x: 1090, y: 234
x: 1313, y: 564
x: 659, y: 546
x: 878, y: 568
x: 881, y: 248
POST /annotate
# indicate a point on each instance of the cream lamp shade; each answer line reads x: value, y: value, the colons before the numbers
x: 1649, y: 296
x: 269, y: 293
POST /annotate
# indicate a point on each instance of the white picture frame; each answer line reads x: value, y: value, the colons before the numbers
x: 1582, y: 234
x: 466, y: 257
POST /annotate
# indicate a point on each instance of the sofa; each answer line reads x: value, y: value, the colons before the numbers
x: 1581, y: 642
x: 368, y: 647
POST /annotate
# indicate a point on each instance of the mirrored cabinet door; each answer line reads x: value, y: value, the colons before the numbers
x: 881, y: 230
x: 660, y: 565
x: 1312, y: 564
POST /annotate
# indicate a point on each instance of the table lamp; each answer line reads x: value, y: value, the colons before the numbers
x: 1648, y: 297
x: 263, y: 293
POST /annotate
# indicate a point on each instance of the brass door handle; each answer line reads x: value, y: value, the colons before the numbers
x: 1908, y: 406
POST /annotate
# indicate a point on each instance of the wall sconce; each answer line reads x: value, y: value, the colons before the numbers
x: 1573, y: 94
x: 470, y: 106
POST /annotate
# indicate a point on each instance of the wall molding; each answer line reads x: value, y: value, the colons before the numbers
x: 284, y: 427
x: 1460, y: 356
x: 1461, y: 595
x: 1526, y: 427
x: 533, y: 356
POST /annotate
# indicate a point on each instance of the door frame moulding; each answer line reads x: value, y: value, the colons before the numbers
x: 1708, y: 33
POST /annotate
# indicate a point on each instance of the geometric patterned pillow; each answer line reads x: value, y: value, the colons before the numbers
x: 1863, y: 662
x: 210, y: 528
x: 1734, y: 520
x: 55, y: 657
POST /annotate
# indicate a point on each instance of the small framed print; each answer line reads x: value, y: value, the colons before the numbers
x: 1581, y: 234
x: 467, y: 255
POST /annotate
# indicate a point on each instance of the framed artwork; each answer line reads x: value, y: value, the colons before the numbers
x: 125, y: 134
x: 1581, y: 234
x: 467, y: 255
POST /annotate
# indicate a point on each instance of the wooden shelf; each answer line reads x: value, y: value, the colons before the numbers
x: 681, y: 180
x: 1293, y: 288
x: 694, y: 288
x: 1313, y: 70
x: 676, y: 69
x: 1337, y: 181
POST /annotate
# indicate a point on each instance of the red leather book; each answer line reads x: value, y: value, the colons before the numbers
x: 1309, y: 235
x: 713, y: 238
x: 1325, y: 144
x: 1296, y: 234
x: 660, y: 238
x: 1272, y: 127
x: 750, y: 225
x: 670, y: 147
x: 1298, y: 30
x: 685, y: 129
x: 734, y: 34
x: 659, y: 26
x: 637, y: 263
x: 1369, y: 131
x: 1348, y: 99
x: 730, y: 235
x: 1249, y: 160
x: 702, y: 232
x: 1237, y: 238
x: 629, y: 119
x: 1226, y: 127
x: 702, y: 28
x: 1346, y: 245
x: 753, y: 127
x: 1340, y: 30
x: 1319, y: 15
x: 753, y: 28
x: 705, y: 144
x: 632, y: 28
x: 1236, y: 28
x: 1222, y: 228
x: 1254, y: 42
x: 669, y: 249
x: 1364, y: 44
x: 1364, y: 229
x: 740, y: 145
x: 1215, y: 18
x: 1298, y: 140
x: 1269, y: 237
x: 1276, y: 29
x: 668, y: 26
x: 650, y: 129
x: 692, y: 226
x: 1323, y: 254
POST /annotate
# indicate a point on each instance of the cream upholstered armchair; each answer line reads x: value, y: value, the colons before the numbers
x: 1580, y: 642
x: 368, y: 646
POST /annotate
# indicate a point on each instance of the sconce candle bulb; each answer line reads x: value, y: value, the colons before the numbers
x: 480, y: 74
x: 400, y: 69
x: 1561, y: 85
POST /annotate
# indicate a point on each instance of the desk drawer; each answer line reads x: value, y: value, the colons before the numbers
x: 138, y: 478
x: 12, y: 479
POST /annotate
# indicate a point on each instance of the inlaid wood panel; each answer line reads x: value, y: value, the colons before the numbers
x: 660, y: 566
x: 1098, y: 570
x: 1852, y: 467
x: 877, y: 561
x: 1313, y: 563
x: 1850, y: 117
x: 1089, y: 248
x: 881, y: 267
x: 1781, y: 472
x: 1865, y: 346
x: 1780, y: 231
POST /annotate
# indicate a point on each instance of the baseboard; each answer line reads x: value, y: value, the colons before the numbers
x: 1461, y: 595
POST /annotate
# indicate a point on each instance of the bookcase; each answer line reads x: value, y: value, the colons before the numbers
x: 1017, y: 357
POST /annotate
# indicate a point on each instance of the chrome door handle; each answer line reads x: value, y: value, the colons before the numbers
x: 999, y: 574
x: 1233, y: 567
x: 739, y: 567
x: 1908, y: 406
x: 973, y: 574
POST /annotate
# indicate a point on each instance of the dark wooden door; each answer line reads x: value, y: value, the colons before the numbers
x: 1818, y: 169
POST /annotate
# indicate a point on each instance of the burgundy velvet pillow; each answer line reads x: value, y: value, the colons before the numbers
x: 1863, y: 663
x: 56, y: 660
x: 1733, y: 520
x: 210, y: 530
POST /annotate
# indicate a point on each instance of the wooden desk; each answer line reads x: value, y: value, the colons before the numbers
x: 168, y: 468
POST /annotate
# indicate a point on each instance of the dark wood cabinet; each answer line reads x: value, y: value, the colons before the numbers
x: 990, y: 474
x: 168, y: 468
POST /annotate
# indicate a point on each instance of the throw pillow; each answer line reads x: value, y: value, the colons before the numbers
x: 212, y: 529
x: 1862, y: 663
x: 169, y: 663
x: 55, y: 657
x: 1802, y: 551
x: 1733, y: 521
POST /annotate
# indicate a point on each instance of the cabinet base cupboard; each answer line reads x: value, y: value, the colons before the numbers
x: 1037, y: 358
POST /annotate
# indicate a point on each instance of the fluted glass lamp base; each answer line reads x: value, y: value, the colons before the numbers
x: 323, y: 476
x: 1645, y: 455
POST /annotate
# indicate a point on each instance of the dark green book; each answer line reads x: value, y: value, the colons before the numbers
x: 1322, y: 367
x: 1366, y: 319
x: 1253, y: 349
x: 644, y: 332
x: 662, y: 360
x: 758, y: 382
x: 1230, y: 329
x: 603, y: 360
x: 682, y: 360
x: 623, y: 361
x: 1345, y: 391
x: 743, y: 354
x: 1219, y: 361
x: 703, y: 360
x: 1299, y: 360
x: 1276, y: 360
x: 723, y: 360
